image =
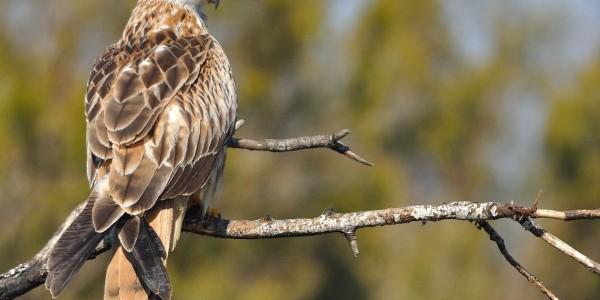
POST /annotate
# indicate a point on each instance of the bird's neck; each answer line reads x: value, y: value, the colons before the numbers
x: 149, y: 15
x: 191, y: 4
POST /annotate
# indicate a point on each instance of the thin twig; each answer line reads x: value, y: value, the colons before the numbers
x: 570, y: 215
x: 557, y: 243
x: 352, y: 240
x: 495, y: 237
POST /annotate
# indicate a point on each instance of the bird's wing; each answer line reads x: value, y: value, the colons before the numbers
x: 157, y: 114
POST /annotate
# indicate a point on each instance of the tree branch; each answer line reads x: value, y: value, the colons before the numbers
x: 331, y: 141
x: 495, y: 237
x: 570, y: 215
x: 331, y: 222
x: 31, y: 274
x: 557, y: 243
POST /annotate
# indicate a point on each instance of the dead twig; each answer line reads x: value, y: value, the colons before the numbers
x: 557, y: 243
x: 495, y: 237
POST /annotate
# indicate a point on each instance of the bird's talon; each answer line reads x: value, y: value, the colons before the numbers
x: 213, y: 213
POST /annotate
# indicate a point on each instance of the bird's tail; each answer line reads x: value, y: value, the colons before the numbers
x: 75, y: 243
x: 143, y: 244
x: 139, y: 273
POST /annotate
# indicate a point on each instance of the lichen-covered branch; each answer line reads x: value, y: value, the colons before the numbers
x: 330, y: 222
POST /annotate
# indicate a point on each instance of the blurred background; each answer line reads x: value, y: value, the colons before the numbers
x: 453, y: 100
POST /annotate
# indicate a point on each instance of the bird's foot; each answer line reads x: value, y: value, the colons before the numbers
x: 213, y: 213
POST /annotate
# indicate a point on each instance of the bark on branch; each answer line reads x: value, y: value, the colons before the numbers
x: 331, y: 141
x: 31, y: 274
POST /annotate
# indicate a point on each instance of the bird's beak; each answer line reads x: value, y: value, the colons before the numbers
x: 215, y: 2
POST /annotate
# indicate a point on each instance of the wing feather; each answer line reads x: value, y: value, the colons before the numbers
x: 127, y: 189
x: 155, y: 113
x: 127, y: 159
x: 153, y: 191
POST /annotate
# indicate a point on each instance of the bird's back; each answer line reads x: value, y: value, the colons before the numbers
x: 160, y: 107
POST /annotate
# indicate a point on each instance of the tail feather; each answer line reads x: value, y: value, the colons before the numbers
x: 137, y: 270
x: 121, y: 280
x: 166, y: 220
x: 106, y: 212
x: 138, y: 273
x: 72, y: 249
x: 129, y: 233
x: 141, y: 273
x: 147, y: 260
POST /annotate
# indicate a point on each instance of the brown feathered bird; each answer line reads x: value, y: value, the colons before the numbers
x: 160, y: 108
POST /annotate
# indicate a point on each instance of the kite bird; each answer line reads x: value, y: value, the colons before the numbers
x: 160, y: 108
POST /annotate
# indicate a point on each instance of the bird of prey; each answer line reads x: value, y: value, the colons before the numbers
x: 160, y: 108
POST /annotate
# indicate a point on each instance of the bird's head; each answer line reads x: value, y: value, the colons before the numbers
x: 215, y: 2
x: 197, y: 3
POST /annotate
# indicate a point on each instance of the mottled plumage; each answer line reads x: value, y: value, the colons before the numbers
x: 160, y: 107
